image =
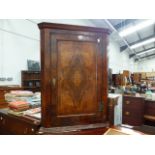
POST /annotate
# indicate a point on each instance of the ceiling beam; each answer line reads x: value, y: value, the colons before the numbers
x: 113, y: 28
x: 145, y: 57
x: 124, y: 23
x: 132, y: 55
x: 154, y: 33
x: 139, y: 36
x: 131, y: 44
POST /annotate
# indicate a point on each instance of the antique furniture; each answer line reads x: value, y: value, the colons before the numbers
x: 31, y: 80
x: 22, y: 125
x: 73, y: 75
x: 74, y: 82
x: 4, y: 90
x: 89, y: 129
x: 149, y: 113
x: 136, y: 77
x: 133, y: 110
x: 114, y: 109
x: 3, y: 105
x: 15, y: 125
x: 111, y: 114
x: 136, y: 111
x: 126, y: 73
x: 118, y: 80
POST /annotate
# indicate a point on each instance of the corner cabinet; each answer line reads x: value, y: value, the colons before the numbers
x: 73, y: 75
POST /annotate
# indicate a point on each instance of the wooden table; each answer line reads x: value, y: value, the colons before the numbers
x: 17, y: 125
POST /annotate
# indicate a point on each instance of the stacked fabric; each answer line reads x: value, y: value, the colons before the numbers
x: 33, y: 113
x: 34, y: 99
x: 18, y: 96
x: 22, y: 93
x: 18, y: 106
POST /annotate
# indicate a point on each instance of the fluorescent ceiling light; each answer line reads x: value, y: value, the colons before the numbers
x: 151, y: 40
x: 137, y: 27
x: 147, y: 51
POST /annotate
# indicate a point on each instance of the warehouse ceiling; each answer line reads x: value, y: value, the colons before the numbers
x: 141, y: 52
x: 128, y: 43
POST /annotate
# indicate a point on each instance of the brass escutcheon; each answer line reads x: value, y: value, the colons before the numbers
x: 127, y: 102
x: 127, y: 113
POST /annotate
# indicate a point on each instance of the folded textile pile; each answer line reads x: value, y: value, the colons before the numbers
x: 16, y: 113
x: 18, y: 106
x: 33, y: 99
x: 18, y: 95
x: 35, y: 113
x: 32, y: 111
x: 22, y: 93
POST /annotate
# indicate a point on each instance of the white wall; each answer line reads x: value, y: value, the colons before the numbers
x: 15, y: 49
x: 119, y: 61
x: 145, y: 65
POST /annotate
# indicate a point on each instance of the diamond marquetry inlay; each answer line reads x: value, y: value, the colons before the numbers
x: 78, y: 80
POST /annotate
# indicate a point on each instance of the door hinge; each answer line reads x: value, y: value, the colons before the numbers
x: 101, y: 105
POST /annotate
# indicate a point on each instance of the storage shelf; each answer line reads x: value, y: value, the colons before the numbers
x: 31, y: 80
x: 31, y: 87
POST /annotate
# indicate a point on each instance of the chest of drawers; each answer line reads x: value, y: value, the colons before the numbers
x: 133, y: 110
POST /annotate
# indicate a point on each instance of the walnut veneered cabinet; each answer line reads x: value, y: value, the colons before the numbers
x: 73, y: 74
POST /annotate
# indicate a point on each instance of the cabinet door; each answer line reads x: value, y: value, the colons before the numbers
x: 76, y: 79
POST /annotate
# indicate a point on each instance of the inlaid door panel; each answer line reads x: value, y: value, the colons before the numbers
x: 76, y: 77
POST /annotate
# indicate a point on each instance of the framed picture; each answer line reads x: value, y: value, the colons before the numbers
x: 33, y: 65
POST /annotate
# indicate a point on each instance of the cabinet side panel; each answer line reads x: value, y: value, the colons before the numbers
x: 45, y: 78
